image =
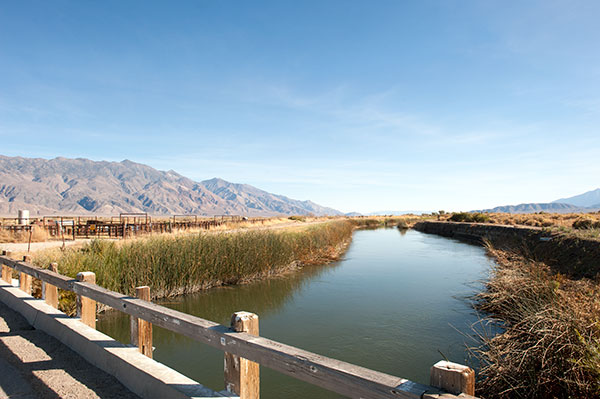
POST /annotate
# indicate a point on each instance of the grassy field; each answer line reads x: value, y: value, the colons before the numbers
x: 177, y: 264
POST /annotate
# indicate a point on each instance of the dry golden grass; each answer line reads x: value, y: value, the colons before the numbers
x: 582, y: 225
x: 251, y: 223
x: 38, y: 234
x: 550, y: 347
x: 540, y: 219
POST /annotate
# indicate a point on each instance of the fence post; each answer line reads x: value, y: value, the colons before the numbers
x: 141, y: 330
x: 6, y: 271
x: 49, y: 291
x: 242, y: 376
x: 86, y: 307
x: 452, y: 377
x: 25, y: 279
x: 133, y: 328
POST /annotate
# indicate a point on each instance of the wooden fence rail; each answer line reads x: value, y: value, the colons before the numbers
x: 125, y: 225
x: 244, y: 342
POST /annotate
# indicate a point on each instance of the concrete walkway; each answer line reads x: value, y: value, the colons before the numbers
x: 34, y: 365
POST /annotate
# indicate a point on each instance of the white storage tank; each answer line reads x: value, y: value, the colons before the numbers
x: 23, y: 217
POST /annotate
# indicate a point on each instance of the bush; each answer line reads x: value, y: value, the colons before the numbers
x: 470, y: 217
x: 298, y: 218
x: 585, y: 224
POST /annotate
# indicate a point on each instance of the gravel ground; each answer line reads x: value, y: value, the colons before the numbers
x: 34, y: 365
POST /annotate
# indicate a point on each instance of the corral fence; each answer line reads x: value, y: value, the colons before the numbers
x: 122, y: 226
x: 244, y: 348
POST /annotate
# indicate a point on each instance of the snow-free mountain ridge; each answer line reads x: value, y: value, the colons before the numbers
x: 586, y: 202
x: 537, y: 207
x: 590, y: 199
x: 81, y: 186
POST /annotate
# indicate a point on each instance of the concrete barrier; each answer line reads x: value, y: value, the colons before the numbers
x: 141, y: 375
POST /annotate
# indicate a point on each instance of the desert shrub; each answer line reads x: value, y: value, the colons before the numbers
x: 585, y: 224
x: 402, y: 224
x: 297, y: 218
x: 470, y: 217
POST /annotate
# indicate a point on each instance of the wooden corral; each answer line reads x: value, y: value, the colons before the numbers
x: 122, y: 226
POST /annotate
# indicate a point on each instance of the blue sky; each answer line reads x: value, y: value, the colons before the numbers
x: 361, y: 106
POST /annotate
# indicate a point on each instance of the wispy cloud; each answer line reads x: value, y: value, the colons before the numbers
x: 377, y: 116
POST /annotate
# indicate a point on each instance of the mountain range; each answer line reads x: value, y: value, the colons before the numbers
x: 586, y: 202
x: 549, y: 207
x: 81, y: 186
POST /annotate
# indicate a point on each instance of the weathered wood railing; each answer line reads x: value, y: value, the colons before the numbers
x: 241, y: 343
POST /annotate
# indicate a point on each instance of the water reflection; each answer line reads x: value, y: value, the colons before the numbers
x: 264, y: 298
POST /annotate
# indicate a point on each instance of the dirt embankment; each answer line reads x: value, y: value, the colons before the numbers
x: 572, y: 256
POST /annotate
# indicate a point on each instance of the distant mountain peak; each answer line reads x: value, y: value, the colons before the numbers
x: 217, y: 181
x: 587, y: 199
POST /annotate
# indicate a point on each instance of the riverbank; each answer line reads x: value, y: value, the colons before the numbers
x: 550, y: 345
x: 544, y: 295
x: 179, y: 264
x: 563, y: 252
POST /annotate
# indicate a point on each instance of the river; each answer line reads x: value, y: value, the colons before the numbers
x: 397, y: 302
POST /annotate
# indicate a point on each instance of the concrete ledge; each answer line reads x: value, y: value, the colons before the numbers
x: 141, y: 375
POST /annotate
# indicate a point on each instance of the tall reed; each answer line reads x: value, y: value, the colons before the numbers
x: 185, y: 263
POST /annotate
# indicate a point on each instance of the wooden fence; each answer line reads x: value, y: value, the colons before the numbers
x: 244, y: 348
x: 122, y: 226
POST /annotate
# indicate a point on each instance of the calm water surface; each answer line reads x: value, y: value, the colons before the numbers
x: 393, y: 303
